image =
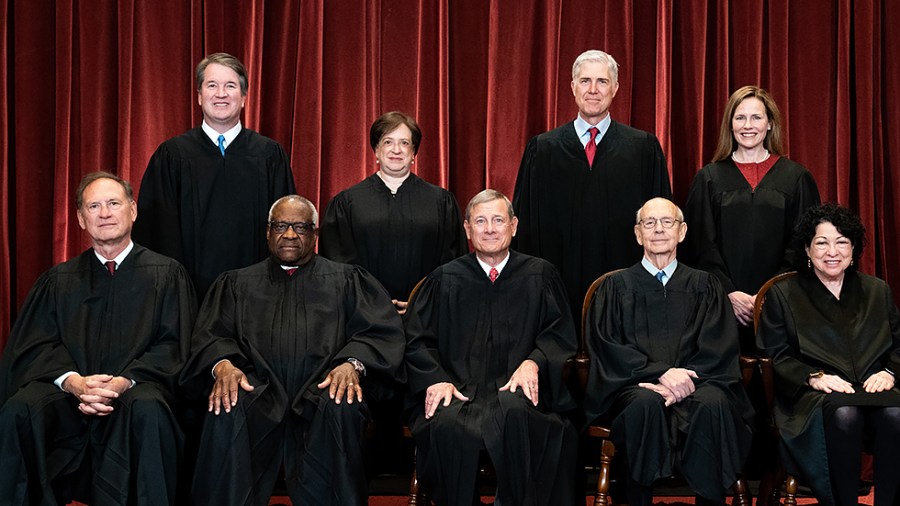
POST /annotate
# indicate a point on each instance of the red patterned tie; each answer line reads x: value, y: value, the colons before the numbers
x: 291, y: 270
x: 111, y: 267
x: 493, y: 274
x: 591, y: 147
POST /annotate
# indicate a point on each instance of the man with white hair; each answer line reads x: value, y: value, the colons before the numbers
x: 579, y: 184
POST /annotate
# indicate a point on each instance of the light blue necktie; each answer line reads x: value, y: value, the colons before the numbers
x: 222, y: 144
x: 660, y: 275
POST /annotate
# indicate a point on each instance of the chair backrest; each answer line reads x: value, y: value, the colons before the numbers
x: 582, y: 358
x: 761, y: 296
x: 414, y: 292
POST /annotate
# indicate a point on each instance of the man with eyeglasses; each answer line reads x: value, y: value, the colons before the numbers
x: 88, y: 376
x: 488, y: 335
x: 664, y: 367
x: 204, y: 195
x: 287, y: 352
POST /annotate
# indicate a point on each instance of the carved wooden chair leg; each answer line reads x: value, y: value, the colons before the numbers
x: 790, y: 490
x: 607, y: 452
x: 416, y: 496
x: 741, y: 493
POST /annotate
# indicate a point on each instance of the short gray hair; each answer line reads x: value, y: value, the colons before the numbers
x: 489, y: 195
x: 296, y: 198
x: 679, y: 215
x: 595, y: 55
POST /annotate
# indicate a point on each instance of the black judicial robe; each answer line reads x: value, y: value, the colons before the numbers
x: 77, y: 317
x: 464, y: 330
x: 804, y: 328
x: 207, y: 211
x: 286, y: 333
x: 741, y: 234
x: 398, y: 238
x: 637, y: 330
x: 580, y: 217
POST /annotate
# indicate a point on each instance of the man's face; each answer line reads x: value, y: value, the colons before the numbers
x: 289, y: 247
x: 659, y: 240
x: 106, y: 213
x: 594, y: 90
x: 220, y: 97
x: 489, y: 227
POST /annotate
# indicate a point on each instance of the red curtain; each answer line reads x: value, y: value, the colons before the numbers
x: 88, y: 85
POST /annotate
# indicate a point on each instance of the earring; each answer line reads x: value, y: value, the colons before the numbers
x: 809, y: 262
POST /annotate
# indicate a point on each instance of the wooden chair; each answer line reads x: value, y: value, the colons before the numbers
x: 607, y: 449
x: 770, y: 486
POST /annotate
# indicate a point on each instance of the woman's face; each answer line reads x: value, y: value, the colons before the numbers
x: 750, y: 123
x: 830, y: 252
x: 395, y: 152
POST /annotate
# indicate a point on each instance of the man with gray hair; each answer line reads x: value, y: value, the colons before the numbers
x: 204, y: 195
x: 579, y: 184
x: 284, y: 351
x: 488, y: 334
x: 664, y: 367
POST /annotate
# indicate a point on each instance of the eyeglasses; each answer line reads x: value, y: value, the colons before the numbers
x: 300, y: 227
x: 388, y: 143
x: 842, y: 244
x: 650, y: 223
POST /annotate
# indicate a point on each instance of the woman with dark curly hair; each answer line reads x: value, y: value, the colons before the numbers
x: 834, y: 337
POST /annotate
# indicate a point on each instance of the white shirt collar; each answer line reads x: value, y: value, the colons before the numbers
x: 487, y: 268
x: 582, y: 127
x: 652, y: 269
x: 214, y: 136
x: 119, y: 258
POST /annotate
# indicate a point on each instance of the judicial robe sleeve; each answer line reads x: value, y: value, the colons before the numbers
x: 702, y: 244
x: 423, y: 361
x: 806, y: 195
x: 35, y: 351
x: 526, y: 204
x: 336, y: 239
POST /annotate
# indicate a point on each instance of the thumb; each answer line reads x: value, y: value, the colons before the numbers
x: 245, y: 384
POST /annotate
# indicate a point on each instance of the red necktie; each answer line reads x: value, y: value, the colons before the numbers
x: 493, y: 274
x: 291, y: 271
x: 111, y: 267
x: 591, y: 147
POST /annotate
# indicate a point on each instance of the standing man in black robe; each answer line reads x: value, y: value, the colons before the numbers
x: 664, y: 367
x: 87, y: 377
x: 205, y: 194
x: 579, y: 183
x: 488, y: 334
x: 285, y: 349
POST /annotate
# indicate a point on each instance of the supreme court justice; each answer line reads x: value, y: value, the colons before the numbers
x: 488, y: 334
x: 88, y: 373
x: 742, y: 207
x: 834, y: 337
x: 664, y: 367
x: 285, y: 350
x: 205, y: 194
x: 579, y: 184
x: 394, y: 224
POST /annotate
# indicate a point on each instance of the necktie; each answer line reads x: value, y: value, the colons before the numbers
x: 222, y: 144
x: 291, y: 271
x: 111, y: 267
x: 591, y: 147
x: 493, y: 274
x: 660, y: 275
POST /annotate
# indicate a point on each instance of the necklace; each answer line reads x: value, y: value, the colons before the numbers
x: 764, y: 158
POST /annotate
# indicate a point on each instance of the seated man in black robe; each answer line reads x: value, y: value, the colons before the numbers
x: 488, y: 334
x: 664, y: 367
x: 288, y: 346
x: 89, y: 370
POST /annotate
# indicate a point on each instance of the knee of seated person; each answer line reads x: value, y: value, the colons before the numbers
x: 328, y: 407
x: 846, y: 417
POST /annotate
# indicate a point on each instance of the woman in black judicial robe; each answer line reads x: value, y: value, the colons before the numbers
x: 394, y: 224
x: 834, y: 338
x: 742, y: 207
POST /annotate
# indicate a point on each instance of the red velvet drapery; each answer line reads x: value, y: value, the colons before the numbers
x: 87, y: 85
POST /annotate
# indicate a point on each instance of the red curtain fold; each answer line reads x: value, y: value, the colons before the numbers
x: 88, y: 85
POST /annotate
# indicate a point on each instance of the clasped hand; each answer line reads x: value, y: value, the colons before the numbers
x: 674, y: 385
x: 96, y: 392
